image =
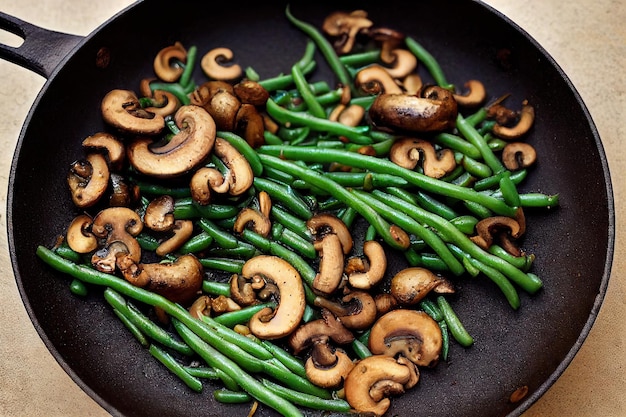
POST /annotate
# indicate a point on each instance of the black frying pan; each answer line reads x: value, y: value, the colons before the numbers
x: 574, y: 244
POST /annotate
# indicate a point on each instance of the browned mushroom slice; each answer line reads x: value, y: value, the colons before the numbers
x: 374, y: 379
x: 327, y: 367
x: 322, y: 224
x: 350, y: 115
x: 258, y: 222
x: 524, y: 123
x: 331, y: 262
x: 403, y: 63
x: 88, y: 180
x: 179, y: 281
x: 164, y: 103
x: 434, y: 109
x: 212, y: 61
x: 356, y: 310
x: 413, y: 334
x: 249, y: 124
x: 475, y: 95
x: 242, y: 290
x: 113, y: 148
x: 500, y: 227
x: 119, y: 224
x: 385, y: 303
x: 105, y: 258
x: 185, y: 151
x: 251, y: 92
x: 123, y: 193
x: 411, y: 285
x: 389, y: 40
x: 345, y: 27
x: 166, y: 62
x: 374, y: 79
x: 79, y: 237
x: 320, y: 330
x: 407, y: 152
x: 373, y: 270
x: 159, y: 215
x: 239, y: 176
x: 122, y: 110
x: 201, y: 307
x: 277, y: 323
x: 518, y: 155
x: 205, y: 180
x: 182, y: 231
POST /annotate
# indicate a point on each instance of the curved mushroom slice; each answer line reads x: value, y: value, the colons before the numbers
x: 249, y: 124
x: 259, y: 222
x: 327, y: 367
x: 163, y: 103
x: 178, y: 281
x: 123, y: 194
x: 88, y: 180
x: 205, y: 180
x: 411, y: 285
x: 407, y: 152
x: 186, y: 150
x: 165, y: 62
x: 183, y: 230
x: 374, y: 79
x: 403, y: 63
x: 474, y: 97
x: 413, y: 334
x: 345, y: 27
x: 79, y: 237
x: 500, y: 227
x: 119, y: 224
x: 321, y: 330
x: 322, y: 224
x: 524, y: 123
x: 114, y: 148
x: 389, y: 40
x: 159, y: 215
x: 122, y: 110
x: 373, y: 270
x: 434, y: 109
x: 518, y: 155
x: 356, y: 310
x: 268, y: 324
x: 375, y: 378
x: 211, y: 64
x: 331, y: 262
x: 251, y: 92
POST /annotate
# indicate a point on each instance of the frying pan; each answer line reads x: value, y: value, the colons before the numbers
x: 530, y: 347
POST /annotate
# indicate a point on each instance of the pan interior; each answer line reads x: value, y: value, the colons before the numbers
x: 529, y: 347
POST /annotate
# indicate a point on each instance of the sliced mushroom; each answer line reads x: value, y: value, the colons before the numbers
x: 518, y: 155
x: 385, y: 303
x: 185, y: 151
x: 277, y: 323
x: 327, y: 367
x: 525, y: 122
x: 205, y: 180
x: 356, y: 310
x: 164, y: 103
x: 166, y: 62
x: 412, y: 84
x: 389, y: 40
x: 182, y: 229
x: 113, y: 148
x: 159, y: 215
x: 501, y: 227
x: 330, y: 271
x: 403, y: 63
x: 345, y: 27
x: 211, y: 64
x: 222, y: 304
x: 178, y: 281
x: 105, y: 258
x: 322, y: 224
x: 79, y: 237
x: 88, y: 179
x: 239, y: 176
x: 122, y: 110
x: 433, y: 109
x: 375, y: 378
x: 374, y: 270
x: 243, y: 290
x: 475, y: 96
x: 413, y: 334
x: 259, y: 222
x: 350, y: 115
x: 119, y: 224
x: 320, y: 330
x: 407, y: 152
x: 249, y: 124
x: 123, y: 193
x: 411, y: 285
x: 201, y: 307
x: 251, y: 92
x: 374, y: 79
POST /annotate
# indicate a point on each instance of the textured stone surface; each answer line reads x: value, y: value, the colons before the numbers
x: 588, y: 40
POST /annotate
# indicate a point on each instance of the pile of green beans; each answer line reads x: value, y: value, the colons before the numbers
x: 297, y: 169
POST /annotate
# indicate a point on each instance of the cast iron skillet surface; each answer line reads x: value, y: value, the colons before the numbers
x: 530, y: 347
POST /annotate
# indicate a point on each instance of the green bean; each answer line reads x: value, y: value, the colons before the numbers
x: 242, y: 251
x: 361, y: 59
x: 522, y: 262
x: 293, y: 223
x: 429, y: 62
x: 457, y: 143
x: 216, y: 359
x: 383, y: 228
x: 147, y: 242
x: 509, y: 190
x: 496, y: 144
x: 309, y: 401
x: 474, y: 167
x: 452, y: 234
x: 147, y: 188
x: 360, y: 349
x: 539, y: 200
x: 477, y: 210
x: 226, y: 396
x: 232, y: 318
x: 181, y: 92
x: 431, y: 308
x: 465, y: 224
x: 134, y: 330
x: 455, y: 326
x: 65, y: 251
x: 197, y: 243
x: 286, y: 195
x: 445, y: 339
x: 285, y: 80
x: 220, y: 236
x: 325, y: 47
x: 411, y: 226
x: 426, y: 260
x: 291, y: 239
x: 147, y: 326
x: 216, y: 288
x: 176, y: 368
x: 314, y: 107
x: 365, y: 180
x: 272, y: 138
x: 221, y: 264
x: 185, y: 78
x: 426, y: 201
x: 77, y: 287
x: 291, y: 362
x: 476, y: 139
x: 493, y: 181
x: 375, y: 164
x: 477, y: 118
x: 244, y: 149
x: 203, y: 372
x: 186, y: 208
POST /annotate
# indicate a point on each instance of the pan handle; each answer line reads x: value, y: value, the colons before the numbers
x: 42, y: 49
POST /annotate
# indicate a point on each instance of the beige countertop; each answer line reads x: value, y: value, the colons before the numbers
x: 588, y: 40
